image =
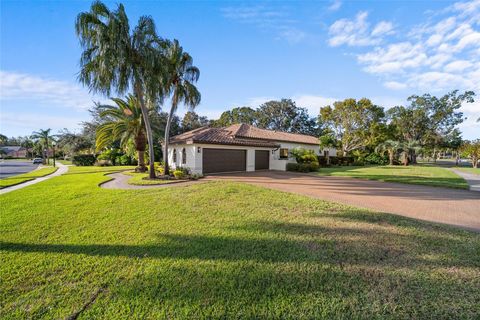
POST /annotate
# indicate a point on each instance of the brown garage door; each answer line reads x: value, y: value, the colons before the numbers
x: 224, y: 160
x: 262, y: 159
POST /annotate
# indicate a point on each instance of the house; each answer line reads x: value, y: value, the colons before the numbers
x: 239, y: 147
x: 13, y: 152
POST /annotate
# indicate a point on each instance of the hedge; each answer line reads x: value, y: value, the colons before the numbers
x: 84, y: 160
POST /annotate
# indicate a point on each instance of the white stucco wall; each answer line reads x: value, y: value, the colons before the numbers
x: 195, y: 163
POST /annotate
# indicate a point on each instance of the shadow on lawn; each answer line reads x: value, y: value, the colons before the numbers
x: 337, y: 246
x: 271, y: 269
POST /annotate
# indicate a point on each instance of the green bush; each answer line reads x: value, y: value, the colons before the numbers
x: 125, y: 160
x: 302, y: 155
x: 358, y: 163
x: 196, y: 176
x: 375, y: 158
x: 179, y: 174
x: 303, y: 167
x: 293, y: 166
x: 84, y: 160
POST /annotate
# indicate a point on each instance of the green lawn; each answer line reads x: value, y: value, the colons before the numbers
x: 65, y: 162
x: 419, y: 174
x: 223, y: 250
x: 21, y: 178
x: 469, y: 170
x: 139, y: 179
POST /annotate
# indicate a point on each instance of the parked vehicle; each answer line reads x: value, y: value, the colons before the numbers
x: 37, y: 160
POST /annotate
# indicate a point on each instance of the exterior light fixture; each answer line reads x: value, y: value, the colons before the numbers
x: 199, y: 149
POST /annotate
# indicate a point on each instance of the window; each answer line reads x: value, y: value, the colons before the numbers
x: 174, y: 156
x: 184, y: 156
x: 283, y: 153
x: 325, y: 153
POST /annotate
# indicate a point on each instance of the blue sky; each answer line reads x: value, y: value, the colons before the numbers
x: 314, y: 52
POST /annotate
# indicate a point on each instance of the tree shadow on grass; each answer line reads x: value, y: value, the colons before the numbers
x: 288, y: 242
x: 270, y: 269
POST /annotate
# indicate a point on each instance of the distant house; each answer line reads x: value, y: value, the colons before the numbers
x: 13, y: 152
x: 239, y: 147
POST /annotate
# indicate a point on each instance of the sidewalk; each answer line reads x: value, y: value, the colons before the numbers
x: 61, y: 170
x: 472, y: 179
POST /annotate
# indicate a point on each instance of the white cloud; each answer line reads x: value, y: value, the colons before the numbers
x: 383, y: 27
x: 441, y: 54
x: 21, y: 86
x: 292, y: 34
x: 277, y: 21
x: 256, y: 101
x: 394, y: 85
x: 28, y: 122
x: 313, y: 103
x: 458, y: 66
x: 335, y: 5
x: 357, y: 32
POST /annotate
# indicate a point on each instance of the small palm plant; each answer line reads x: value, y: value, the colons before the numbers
x: 409, y: 149
x: 124, y: 123
x: 391, y: 147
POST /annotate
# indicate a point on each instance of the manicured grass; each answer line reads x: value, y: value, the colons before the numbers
x: 139, y: 179
x: 418, y: 174
x: 65, y: 162
x: 469, y: 170
x: 21, y: 178
x: 223, y: 250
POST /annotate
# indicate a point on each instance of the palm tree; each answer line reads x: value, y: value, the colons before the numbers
x: 180, y: 77
x: 410, y: 148
x: 391, y: 147
x: 124, y: 122
x: 28, y: 145
x: 44, y: 138
x: 116, y: 58
x: 3, y: 139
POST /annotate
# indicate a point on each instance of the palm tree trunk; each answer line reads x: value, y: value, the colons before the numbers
x: 167, y: 134
x: 148, y: 129
x: 140, y: 145
x: 141, y: 161
x: 46, y: 152
x: 390, y: 157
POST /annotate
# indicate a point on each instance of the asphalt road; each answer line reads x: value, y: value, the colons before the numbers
x: 10, y: 168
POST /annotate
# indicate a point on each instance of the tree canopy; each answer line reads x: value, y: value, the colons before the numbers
x: 355, y: 123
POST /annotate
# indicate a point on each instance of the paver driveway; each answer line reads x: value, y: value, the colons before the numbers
x: 455, y: 207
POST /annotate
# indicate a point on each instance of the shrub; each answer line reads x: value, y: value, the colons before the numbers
x: 84, y: 160
x: 322, y: 161
x: 302, y: 155
x: 292, y: 166
x: 185, y: 170
x: 196, y: 176
x: 178, y: 174
x: 358, y: 163
x: 375, y: 158
x: 125, y: 160
x: 303, y: 167
x: 103, y: 163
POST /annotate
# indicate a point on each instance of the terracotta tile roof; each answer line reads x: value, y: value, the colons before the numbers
x: 248, y: 131
x: 243, y: 135
x: 219, y: 136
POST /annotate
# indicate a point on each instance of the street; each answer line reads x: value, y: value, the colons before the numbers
x: 10, y: 168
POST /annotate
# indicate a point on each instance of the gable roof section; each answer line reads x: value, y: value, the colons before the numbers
x: 218, y: 136
x: 241, y: 134
x: 248, y: 131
